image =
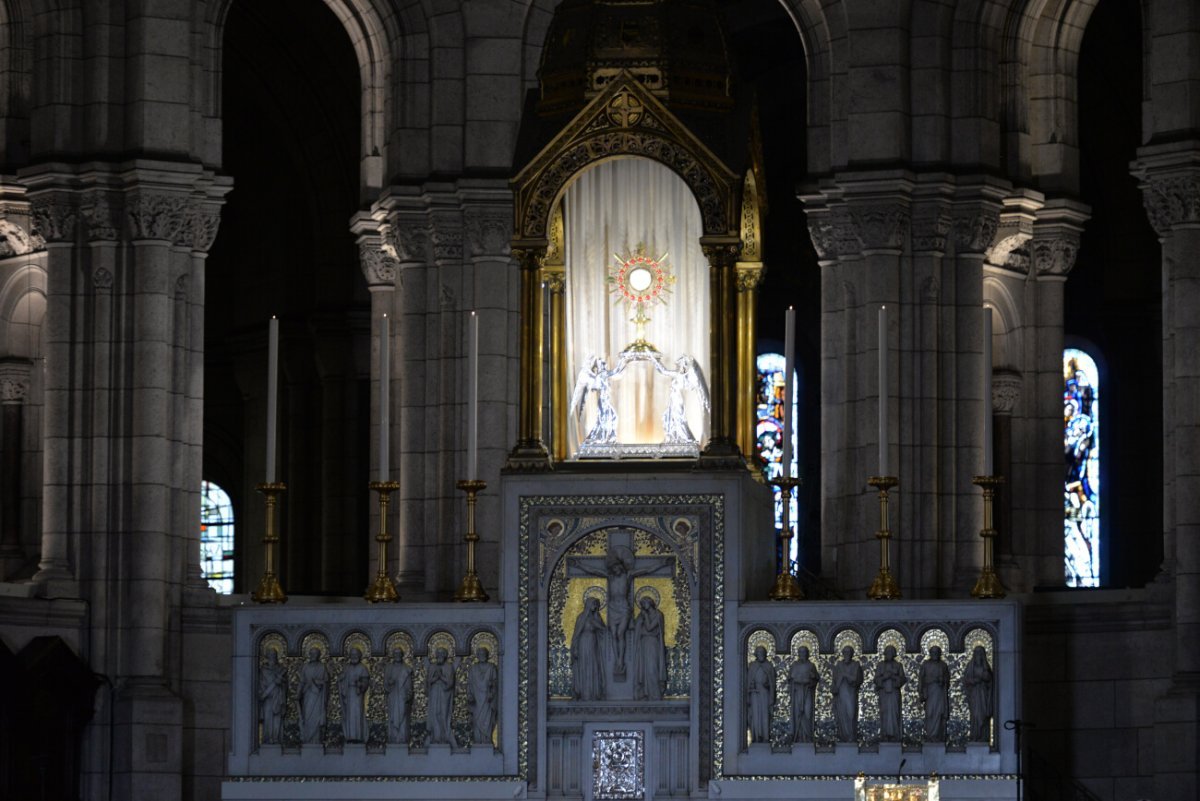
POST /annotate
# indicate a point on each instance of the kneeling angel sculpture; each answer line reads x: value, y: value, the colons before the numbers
x: 687, y: 375
x: 596, y: 377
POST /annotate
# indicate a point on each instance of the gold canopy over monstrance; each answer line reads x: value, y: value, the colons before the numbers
x: 597, y: 102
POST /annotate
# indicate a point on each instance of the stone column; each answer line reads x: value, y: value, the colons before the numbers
x: 1052, y: 250
x: 380, y: 270
x: 408, y: 234
x: 55, y: 214
x: 489, y: 285
x: 919, y: 522
x: 14, y: 389
x: 205, y: 221
x: 879, y: 212
x: 976, y: 212
x: 1170, y: 182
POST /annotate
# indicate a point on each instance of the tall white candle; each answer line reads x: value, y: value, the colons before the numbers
x: 987, y: 390
x: 473, y: 396
x: 789, y: 366
x: 883, y: 392
x: 385, y: 412
x: 272, y: 392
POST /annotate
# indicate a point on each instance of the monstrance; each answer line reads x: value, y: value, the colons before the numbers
x: 640, y: 281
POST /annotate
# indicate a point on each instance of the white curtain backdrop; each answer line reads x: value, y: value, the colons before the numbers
x: 609, y: 210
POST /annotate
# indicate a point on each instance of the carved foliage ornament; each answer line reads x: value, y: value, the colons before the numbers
x: 447, y: 243
x: 102, y: 216
x: 378, y: 267
x: 975, y: 232
x: 929, y: 232
x: 54, y: 219
x: 1054, y: 256
x: 881, y: 226
x: 13, y: 389
x: 488, y: 233
x: 409, y: 239
x: 1172, y: 201
x: 205, y: 223
x: 159, y: 216
x: 14, y: 241
x: 1006, y: 392
x: 824, y: 238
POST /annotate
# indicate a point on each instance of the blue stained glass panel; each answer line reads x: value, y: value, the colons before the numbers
x: 216, y: 537
x: 1081, y: 451
x: 769, y: 432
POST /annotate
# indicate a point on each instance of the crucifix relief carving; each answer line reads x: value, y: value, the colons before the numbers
x: 619, y: 567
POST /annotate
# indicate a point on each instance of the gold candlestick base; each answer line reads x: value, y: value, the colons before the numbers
x: 270, y: 591
x: 786, y: 587
x: 988, y: 585
x: 383, y: 589
x: 471, y: 589
x: 884, y: 587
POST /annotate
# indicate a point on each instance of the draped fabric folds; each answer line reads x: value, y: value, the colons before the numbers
x: 609, y: 210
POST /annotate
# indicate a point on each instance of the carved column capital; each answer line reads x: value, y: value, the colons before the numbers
x: 488, y: 233
x: 721, y: 254
x: 930, y: 229
x: 14, y: 381
x: 408, y: 238
x: 750, y: 276
x: 54, y: 217
x: 1006, y: 391
x: 1056, y: 235
x: 881, y: 225
x: 975, y: 229
x: 555, y: 279
x: 101, y: 211
x: 1172, y: 200
x: 204, y: 224
x: 159, y: 216
x: 15, y: 240
x: 529, y: 254
x: 378, y: 266
x: 1054, y: 256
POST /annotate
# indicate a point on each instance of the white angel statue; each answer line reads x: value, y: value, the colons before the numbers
x: 596, y: 377
x: 687, y: 375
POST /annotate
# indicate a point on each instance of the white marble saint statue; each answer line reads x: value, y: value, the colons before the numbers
x: 352, y: 687
x: 439, y: 691
x: 482, y: 697
x: 889, y: 678
x: 587, y: 642
x: 650, y: 652
x: 314, y: 680
x: 272, y: 695
x: 935, y: 693
x: 847, y: 679
x: 803, y: 679
x: 977, y: 685
x: 686, y: 377
x: 760, y: 696
x: 398, y: 683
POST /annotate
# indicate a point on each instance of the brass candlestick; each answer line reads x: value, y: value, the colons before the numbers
x: 786, y: 587
x: 383, y: 588
x: 269, y: 589
x: 884, y: 587
x: 988, y: 585
x: 471, y: 590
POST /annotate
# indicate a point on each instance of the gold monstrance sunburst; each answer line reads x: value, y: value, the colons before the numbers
x: 639, y: 281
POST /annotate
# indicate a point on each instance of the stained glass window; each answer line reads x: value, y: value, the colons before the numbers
x: 216, y: 537
x: 769, y: 432
x: 1081, y: 445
